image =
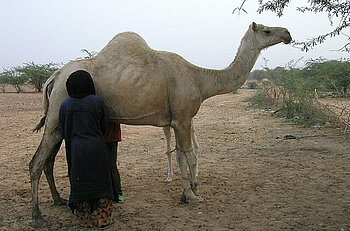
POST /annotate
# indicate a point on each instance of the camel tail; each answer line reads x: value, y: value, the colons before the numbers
x: 46, y: 94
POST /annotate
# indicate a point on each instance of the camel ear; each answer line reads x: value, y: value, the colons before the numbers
x: 254, y: 27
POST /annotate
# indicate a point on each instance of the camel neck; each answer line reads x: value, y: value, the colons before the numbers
x: 215, y: 82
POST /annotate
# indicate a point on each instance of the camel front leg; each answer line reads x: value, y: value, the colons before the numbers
x: 186, y: 157
x: 195, y: 144
x: 168, y: 152
x: 36, y: 166
x: 189, y: 186
x: 192, y: 162
x: 48, y: 170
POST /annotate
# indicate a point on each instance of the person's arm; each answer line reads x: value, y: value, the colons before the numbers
x: 61, y: 120
x: 104, y: 118
x: 119, y: 132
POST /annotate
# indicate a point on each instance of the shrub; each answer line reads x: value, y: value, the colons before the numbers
x: 293, y: 99
x: 260, y: 99
x: 252, y: 85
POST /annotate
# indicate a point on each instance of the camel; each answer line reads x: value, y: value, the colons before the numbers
x: 142, y: 86
x: 169, y: 151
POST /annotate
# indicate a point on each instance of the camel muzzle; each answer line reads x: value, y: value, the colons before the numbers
x: 286, y: 37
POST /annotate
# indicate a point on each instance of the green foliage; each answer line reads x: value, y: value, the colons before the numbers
x: 87, y: 54
x: 298, y: 100
x: 37, y: 74
x: 31, y: 73
x: 328, y: 76
x: 337, y: 11
x: 276, y: 73
x: 266, y: 73
x: 3, y: 81
x: 258, y: 75
x: 14, y: 78
x: 261, y: 100
x: 292, y: 91
x: 252, y: 85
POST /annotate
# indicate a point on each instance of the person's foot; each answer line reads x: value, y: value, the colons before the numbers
x: 103, y: 227
x: 121, y: 199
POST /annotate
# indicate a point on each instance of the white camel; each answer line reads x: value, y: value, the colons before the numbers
x: 169, y: 151
x: 142, y: 86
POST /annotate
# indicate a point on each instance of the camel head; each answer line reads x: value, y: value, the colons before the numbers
x: 264, y: 36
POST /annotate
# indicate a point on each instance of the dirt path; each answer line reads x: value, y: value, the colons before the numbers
x: 250, y: 177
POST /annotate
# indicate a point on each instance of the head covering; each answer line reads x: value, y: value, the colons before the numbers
x: 80, y: 84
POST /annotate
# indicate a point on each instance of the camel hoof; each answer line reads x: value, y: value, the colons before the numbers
x: 38, y: 223
x: 194, y: 200
x: 60, y: 201
x: 195, y: 191
x: 183, y: 199
x: 37, y: 220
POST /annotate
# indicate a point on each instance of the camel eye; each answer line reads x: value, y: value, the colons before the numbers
x: 267, y: 32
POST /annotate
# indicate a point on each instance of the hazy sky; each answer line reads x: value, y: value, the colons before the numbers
x: 204, y: 32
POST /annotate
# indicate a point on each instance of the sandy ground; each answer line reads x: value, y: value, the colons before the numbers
x: 250, y: 177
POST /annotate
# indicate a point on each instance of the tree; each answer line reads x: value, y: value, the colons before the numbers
x: 258, y: 75
x: 3, y: 82
x: 332, y: 75
x: 337, y: 10
x: 14, y: 78
x: 275, y: 73
x: 88, y: 54
x: 37, y: 74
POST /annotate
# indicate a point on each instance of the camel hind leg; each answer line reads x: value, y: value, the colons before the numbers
x: 48, y: 170
x: 43, y: 158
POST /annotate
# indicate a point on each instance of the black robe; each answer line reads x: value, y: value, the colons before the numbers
x: 82, y: 123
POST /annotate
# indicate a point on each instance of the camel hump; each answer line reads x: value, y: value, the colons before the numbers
x: 126, y: 47
x: 127, y: 40
x: 129, y: 36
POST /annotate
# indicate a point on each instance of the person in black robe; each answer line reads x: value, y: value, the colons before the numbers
x: 82, y: 123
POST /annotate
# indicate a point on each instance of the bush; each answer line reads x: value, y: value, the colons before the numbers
x: 261, y: 100
x: 293, y: 99
x: 252, y: 85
